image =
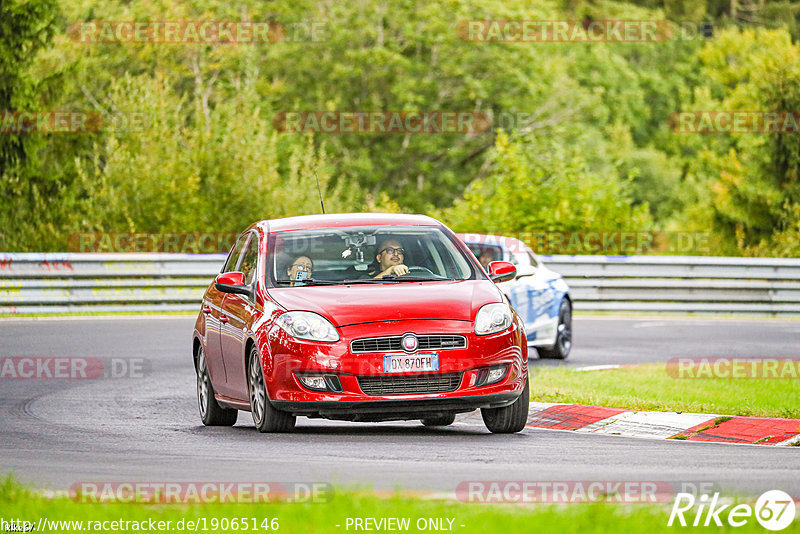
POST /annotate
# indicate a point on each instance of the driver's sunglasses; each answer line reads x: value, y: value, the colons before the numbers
x: 391, y: 250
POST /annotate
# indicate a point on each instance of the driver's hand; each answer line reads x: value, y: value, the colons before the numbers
x: 399, y: 270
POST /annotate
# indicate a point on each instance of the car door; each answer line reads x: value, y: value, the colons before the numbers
x: 239, y: 311
x: 212, y: 310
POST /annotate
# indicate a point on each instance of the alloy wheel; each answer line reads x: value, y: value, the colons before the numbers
x: 202, y: 382
x: 258, y: 394
x: 565, y: 328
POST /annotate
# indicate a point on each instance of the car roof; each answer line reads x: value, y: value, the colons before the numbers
x: 511, y: 244
x: 340, y: 220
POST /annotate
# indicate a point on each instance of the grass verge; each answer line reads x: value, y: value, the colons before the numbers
x: 649, y: 387
x: 17, y: 502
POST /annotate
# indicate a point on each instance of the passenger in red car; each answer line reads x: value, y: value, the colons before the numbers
x: 299, y: 270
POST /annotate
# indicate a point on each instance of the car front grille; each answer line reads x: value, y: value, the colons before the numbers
x: 408, y: 384
x: 395, y: 343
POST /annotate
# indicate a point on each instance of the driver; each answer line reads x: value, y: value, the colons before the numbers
x: 390, y: 256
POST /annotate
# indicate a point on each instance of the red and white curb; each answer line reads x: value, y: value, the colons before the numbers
x: 664, y: 425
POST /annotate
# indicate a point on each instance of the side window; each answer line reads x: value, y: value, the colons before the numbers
x: 250, y: 260
x: 534, y: 263
x: 233, y: 257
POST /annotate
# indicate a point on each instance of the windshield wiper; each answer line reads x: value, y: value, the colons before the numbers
x: 405, y: 278
x: 310, y: 282
x: 387, y: 278
x: 408, y: 278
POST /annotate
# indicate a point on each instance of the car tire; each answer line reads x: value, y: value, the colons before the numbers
x: 440, y: 420
x: 563, y: 345
x: 211, y: 412
x: 265, y: 416
x: 509, y: 419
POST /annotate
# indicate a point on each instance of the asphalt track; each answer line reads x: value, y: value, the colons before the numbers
x: 55, y: 433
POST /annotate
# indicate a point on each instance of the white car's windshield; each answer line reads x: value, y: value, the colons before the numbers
x: 365, y: 254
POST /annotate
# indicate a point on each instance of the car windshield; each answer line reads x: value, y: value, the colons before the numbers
x: 361, y: 254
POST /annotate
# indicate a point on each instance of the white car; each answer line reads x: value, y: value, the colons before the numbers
x: 539, y: 295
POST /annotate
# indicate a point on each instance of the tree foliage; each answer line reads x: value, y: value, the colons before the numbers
x: 580, y: 138
x: 748, y: 182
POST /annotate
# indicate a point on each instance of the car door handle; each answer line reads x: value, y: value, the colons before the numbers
x: 223, y: 318
x: 206, y: 309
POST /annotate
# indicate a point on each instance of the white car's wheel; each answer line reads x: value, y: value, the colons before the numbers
x: 563, y: 345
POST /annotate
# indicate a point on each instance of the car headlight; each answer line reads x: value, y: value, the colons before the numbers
x: 308, y: 325
x: 493, y: 318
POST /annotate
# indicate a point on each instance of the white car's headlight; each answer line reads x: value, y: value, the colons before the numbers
x: 308, y: 325
x: 493, y: 318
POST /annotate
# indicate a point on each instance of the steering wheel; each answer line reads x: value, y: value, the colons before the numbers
x: 416, y: 269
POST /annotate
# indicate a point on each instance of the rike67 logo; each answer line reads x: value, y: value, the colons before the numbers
x: 774, y: 510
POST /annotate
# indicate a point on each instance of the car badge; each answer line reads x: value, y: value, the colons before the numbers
x: 410, y: 343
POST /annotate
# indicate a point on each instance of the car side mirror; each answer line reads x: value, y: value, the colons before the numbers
x: 233, y: 282
x: 501, y: 271
x: 526, y: 270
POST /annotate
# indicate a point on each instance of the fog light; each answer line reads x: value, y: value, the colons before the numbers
x: 314, y: 382
x: 320, y: 382
x: 491, y: 375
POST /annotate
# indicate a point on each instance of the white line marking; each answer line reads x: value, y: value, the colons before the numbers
x: 597, y: 425
x: 789, y: 442
x: 597, y: 367
x: 651, y: 424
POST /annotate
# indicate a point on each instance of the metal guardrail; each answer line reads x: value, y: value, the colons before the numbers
x: 69, y: 282
x: 59, y: 283
x: 768, y: 286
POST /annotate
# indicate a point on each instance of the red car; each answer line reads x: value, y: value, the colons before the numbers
x: 359, y: 317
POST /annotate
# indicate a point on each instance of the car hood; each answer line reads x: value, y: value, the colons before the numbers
x: 361, y: 303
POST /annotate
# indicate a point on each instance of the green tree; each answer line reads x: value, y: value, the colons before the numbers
x: 25, y: 28
x: 748, y: 182
x: 540, y: 185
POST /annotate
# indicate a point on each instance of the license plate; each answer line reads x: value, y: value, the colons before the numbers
x: 410, y: 363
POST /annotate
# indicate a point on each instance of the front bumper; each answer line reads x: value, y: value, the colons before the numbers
x: 290, y: 357
x: 395, y: 410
